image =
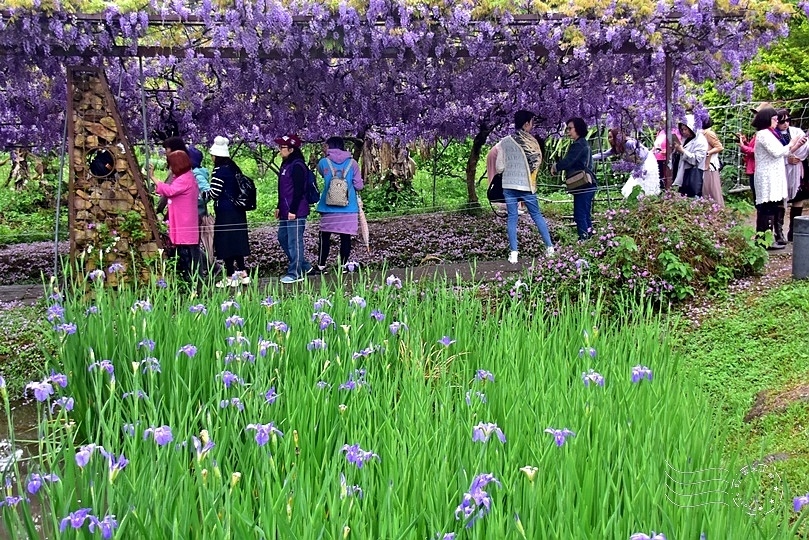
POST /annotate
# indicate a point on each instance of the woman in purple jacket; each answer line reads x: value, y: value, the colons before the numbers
x: 293, y: 207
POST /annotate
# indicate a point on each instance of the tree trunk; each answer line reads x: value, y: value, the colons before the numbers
x: 472, y: 166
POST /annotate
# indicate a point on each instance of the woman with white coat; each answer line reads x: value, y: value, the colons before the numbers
x: 648, y: 178
x: 689, y: 154
x: 794, y: 170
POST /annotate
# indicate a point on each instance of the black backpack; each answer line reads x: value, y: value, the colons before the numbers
x: 311, y: 192
x: 245, y: 198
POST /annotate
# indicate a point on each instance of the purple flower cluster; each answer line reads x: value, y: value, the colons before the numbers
x: 234, y: 320
x: 278, y: 326
x: 142, y: 305
x: 104, y: 365
x: 483, y: 375
x: 198, y: 309
x: 356, y: 380
x: 358, y: 456
x: 357, y: 302
x: 229, y: 378
x: 378, y: 315
x: 230, y: 304
x: 35, y: 481
x: 592, y: 377
x: 641, y: 372
x: 479, y: 395
x: 324, y: 320
x: 76, y: 520
x: 232, y: 402
x: 349, y: 491
x: 476, y: 502
x: 316, y: 345
x: 264, y: 346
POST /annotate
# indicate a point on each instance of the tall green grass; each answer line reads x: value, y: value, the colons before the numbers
x: 610, y: 480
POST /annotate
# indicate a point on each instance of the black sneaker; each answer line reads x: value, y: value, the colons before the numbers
x: 316, y: 271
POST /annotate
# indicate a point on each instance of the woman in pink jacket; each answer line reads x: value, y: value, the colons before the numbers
x: 182, y: 195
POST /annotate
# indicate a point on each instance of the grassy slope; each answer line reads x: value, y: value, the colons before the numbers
x: 749, y: 344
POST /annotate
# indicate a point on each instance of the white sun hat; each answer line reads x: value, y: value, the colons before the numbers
x: 220, y: 147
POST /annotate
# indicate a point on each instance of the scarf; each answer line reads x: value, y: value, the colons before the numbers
x: 529, y: 145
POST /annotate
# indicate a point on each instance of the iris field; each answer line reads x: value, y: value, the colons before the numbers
x: 375, y: 411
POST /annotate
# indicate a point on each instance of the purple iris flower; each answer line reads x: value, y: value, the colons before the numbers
x: 322, y: 384
x: 142, y: 305
x: 363, y: 353
x: 116, y: 465
x: 150, y: 363
x: 482, y: 432
x: 263, y: 432
x: 641, y: 372
x: 66, y: 403
x: 396, y: 326
x: 227, y: 304
x: 476, y: 502
x: 162, y: 435
x: 11, y: 501
x: 448, y: 536
x: 107, y: 525
x: 316, y: 344
x: 238, y: 340
x: 147, y: 343
x: 96, y: 275
x: 378, y: 315
x: 129, y: 429
x: 85, y: 453
x: 106, y: 365
x: 271, y: 396
x: 42, y: 390
x: 643, y: 536
x: 36, y: 480
x: 189, y: 350
x: 592, y: 377
x: 90, y: 310
x: 161, y: 283
x: 278, y: 326
x: 355, y: 380
x: 357, y: 456
x: 800, y: 502
x: 349, y: 491
x: 321, y: 303
x: 55, y: 313
x: 323, y: 319
x: 559, y: 435
x: 446, y: 341
x: 202, y: 450
x: 140, y: 394
x: 66, y: 328
x: 198, y: 308
x: 357, y: 301
x: 264, y: 346
x: 234, y: 320
x: 480, y: 395
x: 115, y: 268
x: 268, y: 302
x: 483, y: 375
x: 587, y: 350
x: 229, y: 378
x: 393, y: 281
x: 233, y: 402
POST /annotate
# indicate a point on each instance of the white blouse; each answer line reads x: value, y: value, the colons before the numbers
x: 770, y: 177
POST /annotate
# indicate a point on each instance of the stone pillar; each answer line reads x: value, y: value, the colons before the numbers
x: 112, y: 219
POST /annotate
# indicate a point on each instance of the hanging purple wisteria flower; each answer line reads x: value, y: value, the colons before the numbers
x: 482, y: 432
x: 234, y: 320
x: 107, y: 525
x: 393, y: 281
x: 229, y: 378
x: 641, y: 372
x: 378, y: 315
x: 189, y: 350
x: 199, y: 309
x: 270, y: 396
x: 358, y: 456
x: 396, y: 326
x: 264, y: 431
x: 476, y: 502
x: 446, y: 341
x: 559, y: 435
x: 592, y: 377
x: 483, y: 375
x: 162, y: 435
x: 75, y: 519
x: 800, y: 502
x: 316, y: 344
x: 35, y: 481
x: 230, y: 304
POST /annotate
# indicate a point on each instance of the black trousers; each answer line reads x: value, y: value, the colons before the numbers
x: 325, y: 247
x: 189, y: 262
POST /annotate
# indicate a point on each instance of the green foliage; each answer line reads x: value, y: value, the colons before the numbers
x: 781, y: 72
x: 22, y: 347
x: 383, y: 199
x: 133, y: 225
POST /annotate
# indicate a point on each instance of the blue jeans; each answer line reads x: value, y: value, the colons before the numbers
x: 290, y: 236
x: 512, y: 196
x: 583, y: 213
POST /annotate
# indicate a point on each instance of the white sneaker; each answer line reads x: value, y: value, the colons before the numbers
x: 550, y: 251
x: 512, y: 257
x: 243, y: 277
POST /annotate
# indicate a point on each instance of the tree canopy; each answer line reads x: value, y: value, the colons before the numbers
x: 384, y: 68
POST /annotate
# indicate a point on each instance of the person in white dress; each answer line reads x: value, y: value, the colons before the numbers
x: 794, y: 170
x: 770, y: 177
x: 648, y: 178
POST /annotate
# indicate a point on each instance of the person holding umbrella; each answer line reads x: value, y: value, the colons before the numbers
x: 340, y: 209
